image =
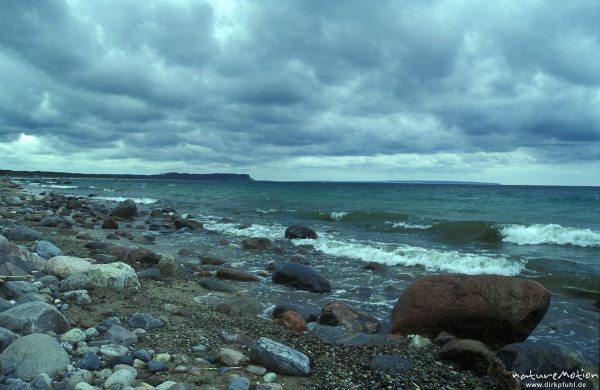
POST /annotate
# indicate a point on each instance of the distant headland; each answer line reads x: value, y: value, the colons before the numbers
x: 162, y: 176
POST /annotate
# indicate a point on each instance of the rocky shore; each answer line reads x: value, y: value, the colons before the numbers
x: 89, y: 302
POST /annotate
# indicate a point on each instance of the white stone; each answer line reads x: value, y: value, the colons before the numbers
x: 163, y: 357
x: 63, y: 266
x: 165, y: 385
x: 74, y: 336
x: 118, y: 276
x: 270, y: 377
x: 91, y: 332
x: 417, y: 341
x: 84, y: 386
x: 120, y: 377
x: 231, y: 357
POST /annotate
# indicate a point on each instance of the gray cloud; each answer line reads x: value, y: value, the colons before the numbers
x: 271, y: 83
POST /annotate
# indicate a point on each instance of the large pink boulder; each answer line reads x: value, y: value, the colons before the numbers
x: 496, y: 310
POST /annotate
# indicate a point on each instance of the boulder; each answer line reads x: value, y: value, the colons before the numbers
x: 234, y: 274
x: 544, y: 358
x: 465, y: 353
x: 258, y: 243
x: 63, y: 266
x: 14, y: 255
x: 212, y: 260
x: 188, y: 223
x: 78, y: 297
x: 13, y: 201
x: 300, y: 276
x: 17, y: 232
x: 300, y: 232
x: 57, y: 222
x: 47, y: 250
x: 15, y: 289
x: 144, y: 321
x: 308, y: 311
x: 143, y: 255
x: 34, y: 355
x: 215, y: 285
x: 110, y: 223
x: 337, y: 313
x: 120, y: 336
x: 6, y: 338
x: 279, y: 357
x: 291, y: 320
x: 32, y: 317
x: 126, y: 210
x: 118, y: 276
x: 496, y: 310
x: 240, y: 307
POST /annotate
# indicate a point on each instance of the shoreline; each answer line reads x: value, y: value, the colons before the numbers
x: 333, y: 365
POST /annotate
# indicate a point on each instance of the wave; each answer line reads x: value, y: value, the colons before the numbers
x: 57, y: 186
x: 552, y: 234
x: 467, y: 231
x: 430, y: 259
x: 108, y: 190
x: 269, y: 211
x: 356, y: 216
x: 398, y: 227
x: 121, y: 199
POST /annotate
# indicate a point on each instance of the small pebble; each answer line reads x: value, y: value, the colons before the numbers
x: 270, y: 377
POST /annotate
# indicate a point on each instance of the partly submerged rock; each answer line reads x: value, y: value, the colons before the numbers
x: 301, y: 277
x: 496, y: 310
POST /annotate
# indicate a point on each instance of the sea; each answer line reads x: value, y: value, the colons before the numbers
x: 549, y: 234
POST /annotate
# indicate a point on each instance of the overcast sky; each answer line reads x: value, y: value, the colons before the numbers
x: 503, y: 91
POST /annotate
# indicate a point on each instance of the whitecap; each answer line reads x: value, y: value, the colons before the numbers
x: 553, y: 234
x: 121, y: 199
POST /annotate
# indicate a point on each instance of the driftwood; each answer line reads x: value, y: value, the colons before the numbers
x: 4, y: 278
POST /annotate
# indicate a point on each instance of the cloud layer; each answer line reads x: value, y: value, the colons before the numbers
x: 304, y: 89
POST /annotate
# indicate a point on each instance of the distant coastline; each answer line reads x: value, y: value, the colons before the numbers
x: 162, y: 176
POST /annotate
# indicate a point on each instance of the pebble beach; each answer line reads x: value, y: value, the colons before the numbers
x: 115, y: 309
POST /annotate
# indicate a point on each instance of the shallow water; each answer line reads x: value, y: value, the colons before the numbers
x: 549, y: 234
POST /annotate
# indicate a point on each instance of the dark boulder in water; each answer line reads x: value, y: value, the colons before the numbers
x: 496, y: 310
x: 467, y: 231
x: 300, y: 276
x: 188, y: 223
x: 300, y: 232
x: 258, y: 243
x: 126, y: 209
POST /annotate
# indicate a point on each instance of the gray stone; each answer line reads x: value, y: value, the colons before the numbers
x: 3, y: 239
x: 74, y: 336
x: 231, y: 357
x: 118, y: 276
x: 121, y: 378
x: 157, y: 366
x: 14, y: 289
x: 56, y: 221
x: 240, y: 306
x: 13, y: 201
x: 268, y: 386
x: 239, y: 383
x: 12, y: 254
x: 47, y: 250
x: 6, y: 338
x: 256, y: 370
x: 90, y: 361
x: 112, y: 351
x: 258, y: 243
x: 77, y: 281
x: 121, y: 336
x: 63, y: 266
x: 42, y: 381
x: 390, y: 364
x: 34, y: 317
x: 216, y: 285
x: 150, y: 273
x: 144, y: 321
x: 79, y: 297
x: 24, y: 354
x: 17, y: 232
x: 279, y: 357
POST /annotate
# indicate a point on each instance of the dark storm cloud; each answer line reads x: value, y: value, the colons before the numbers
x: 175, y: 80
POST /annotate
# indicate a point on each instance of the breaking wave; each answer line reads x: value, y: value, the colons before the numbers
x: 552, y: 234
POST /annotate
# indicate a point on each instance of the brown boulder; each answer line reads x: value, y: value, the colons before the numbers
x: 496, y: 310
x: 336, y: 313
x: 291, y: 320
x: 143, y: 255
x: 110, y: 223
x: 189, y: 223
x: 234, y: 274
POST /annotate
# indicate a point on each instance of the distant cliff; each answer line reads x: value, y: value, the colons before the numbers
x: 162, y: 176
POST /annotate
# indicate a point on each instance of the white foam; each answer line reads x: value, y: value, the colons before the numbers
x: 550, y: 234
x: 269, y: 211
x: 431, y: 259
x: 406, y: 225
x: 108, y: 190
x: 337, y: 215
x: 273, y: 232
x: 58, y: 186
x: 121, y: 199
